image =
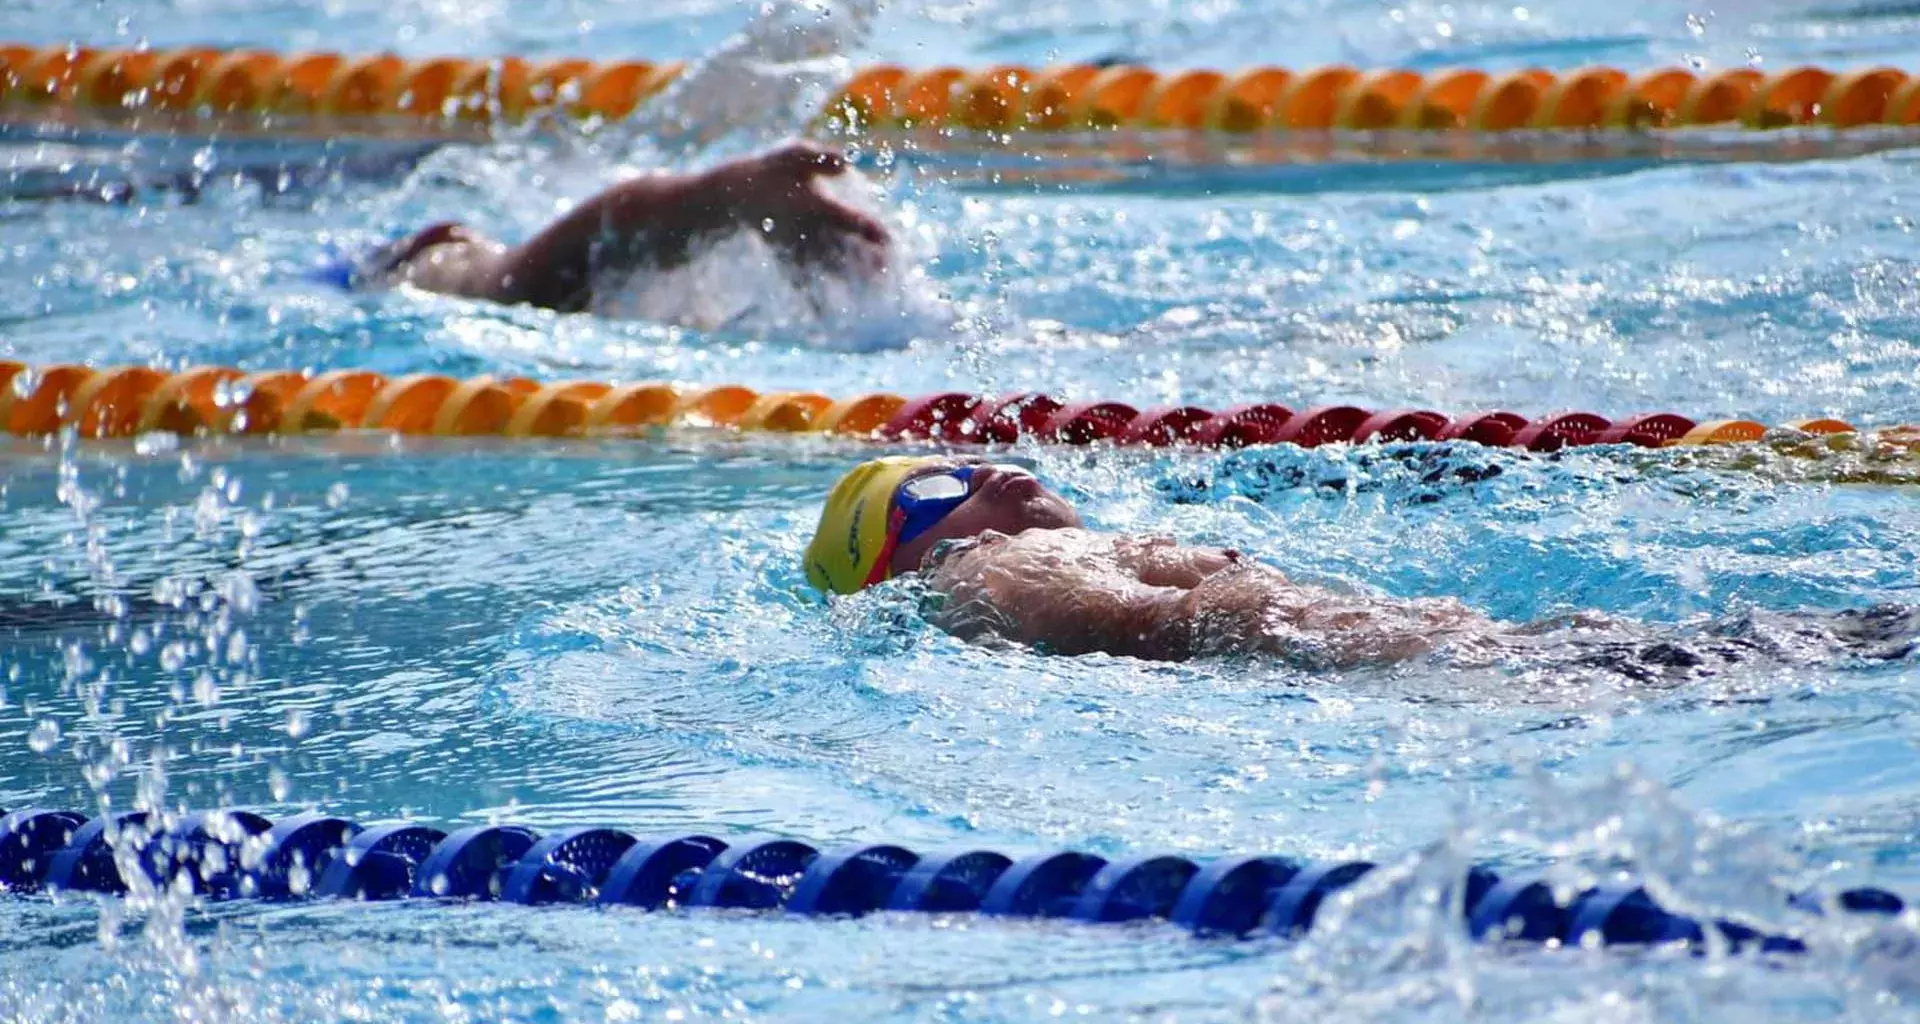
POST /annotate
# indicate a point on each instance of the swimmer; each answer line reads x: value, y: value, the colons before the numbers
x: 1003, y: 556
x: 647, y: 222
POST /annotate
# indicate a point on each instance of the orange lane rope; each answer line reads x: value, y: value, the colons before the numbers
x: 453, y: 91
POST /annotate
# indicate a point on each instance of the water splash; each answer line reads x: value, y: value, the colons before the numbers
x: 756, y: 87
x: 739, y: 284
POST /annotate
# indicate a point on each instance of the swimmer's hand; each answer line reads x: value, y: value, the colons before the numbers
x: 774, y: 193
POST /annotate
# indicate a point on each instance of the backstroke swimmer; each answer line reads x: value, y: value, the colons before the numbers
x: 1003, y: 556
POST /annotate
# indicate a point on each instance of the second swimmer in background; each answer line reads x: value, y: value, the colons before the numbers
x: 653, y: 222
x: 1003, y: 556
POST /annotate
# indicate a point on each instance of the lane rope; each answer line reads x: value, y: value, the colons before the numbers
x: 263, y: 87
x: 238, y: 854
x: 126, y: 401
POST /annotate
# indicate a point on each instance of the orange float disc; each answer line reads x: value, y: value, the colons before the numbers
x: 409, y: 404
x: 336, y: 400
x: 786, y: 411
x: 1722, y: 432
x: 1249, y: 101
x: 479, y: 406
x: 633, y: 405
x: 188, y: 401
x: 556, y: 410
x: 1312, y: 99
x: 988, y: 100
x: 720, y: 406
x: 860, y: 414
x: 41, y: 409
x: 109, y: 403
x: 926, y: 99
x: 1054, y: 96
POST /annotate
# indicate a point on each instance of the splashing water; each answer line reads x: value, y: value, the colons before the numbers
x: 739, y: 285
x: 757, y: 86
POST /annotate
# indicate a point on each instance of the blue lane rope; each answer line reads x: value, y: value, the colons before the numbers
x: 239, y: 854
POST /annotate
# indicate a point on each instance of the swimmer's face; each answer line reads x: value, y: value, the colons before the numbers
x: 997, y: 500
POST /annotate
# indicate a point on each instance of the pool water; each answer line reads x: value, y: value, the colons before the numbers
x: 618, y: 632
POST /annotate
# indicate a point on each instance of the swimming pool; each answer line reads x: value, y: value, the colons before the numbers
x: 617, y: 632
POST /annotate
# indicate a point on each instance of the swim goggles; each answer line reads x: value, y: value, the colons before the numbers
x: 921, y: 502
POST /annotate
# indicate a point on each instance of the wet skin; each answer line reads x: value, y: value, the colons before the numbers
x: 650, y: 222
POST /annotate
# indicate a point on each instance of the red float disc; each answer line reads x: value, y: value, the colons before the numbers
x: 1244, y: 425
x: 1494, y: 429
x: 1087, y: 422
x: 1555, y: 432
x: 1401, y: 425
x: 1002, y: 420
x: 1329, y: 424
x: 939, y: 417
x: 1648, y: 430
x: 1167, y: 425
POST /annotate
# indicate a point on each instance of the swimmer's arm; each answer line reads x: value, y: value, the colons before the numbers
x: 1061, y: 606
x: 653, y: 220
x: 1161, y: 562
x: 656, y: 221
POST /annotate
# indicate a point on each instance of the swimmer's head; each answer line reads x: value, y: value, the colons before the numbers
x: 860, y: 540
x: 386, y: 265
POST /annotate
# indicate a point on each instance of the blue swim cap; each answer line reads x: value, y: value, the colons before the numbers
x: 349, y: 271
x: 337, y: 271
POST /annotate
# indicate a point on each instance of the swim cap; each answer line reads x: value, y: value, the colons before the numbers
x: 853, y: 527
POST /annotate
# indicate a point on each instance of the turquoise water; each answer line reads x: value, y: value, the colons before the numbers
x: 617, y: 632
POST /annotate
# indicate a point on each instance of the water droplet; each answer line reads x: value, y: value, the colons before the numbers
x: 44, y: 736
x: 337, y: 495
x: 173, y: 656
x: 298, y: 722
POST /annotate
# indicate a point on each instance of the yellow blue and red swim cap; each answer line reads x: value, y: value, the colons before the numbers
x: 854, y: 525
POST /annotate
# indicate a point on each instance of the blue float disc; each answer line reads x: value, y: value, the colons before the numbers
x: 299, y: 850
x: 1739, y: 936
x: 565, y: 867
x: 1868, y: 900
x: 854, y: 881
x: 1862, y: 900
x: 28, y: 841
x: 949, y: 883
x: 1517, y: 908
x: 1043, y: 885
x: 472, y: 863
x: 645, y: 876
x: 1228, y: 896
x: 379, y: 863
x: 1293, y: 906
x: 1131, y: 890
x: 86, y: 863
x: 206, y: 848
x: 753, y: 876
x: 1626, y: 915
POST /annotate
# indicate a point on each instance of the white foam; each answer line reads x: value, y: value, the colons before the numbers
x: 742, y: 285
